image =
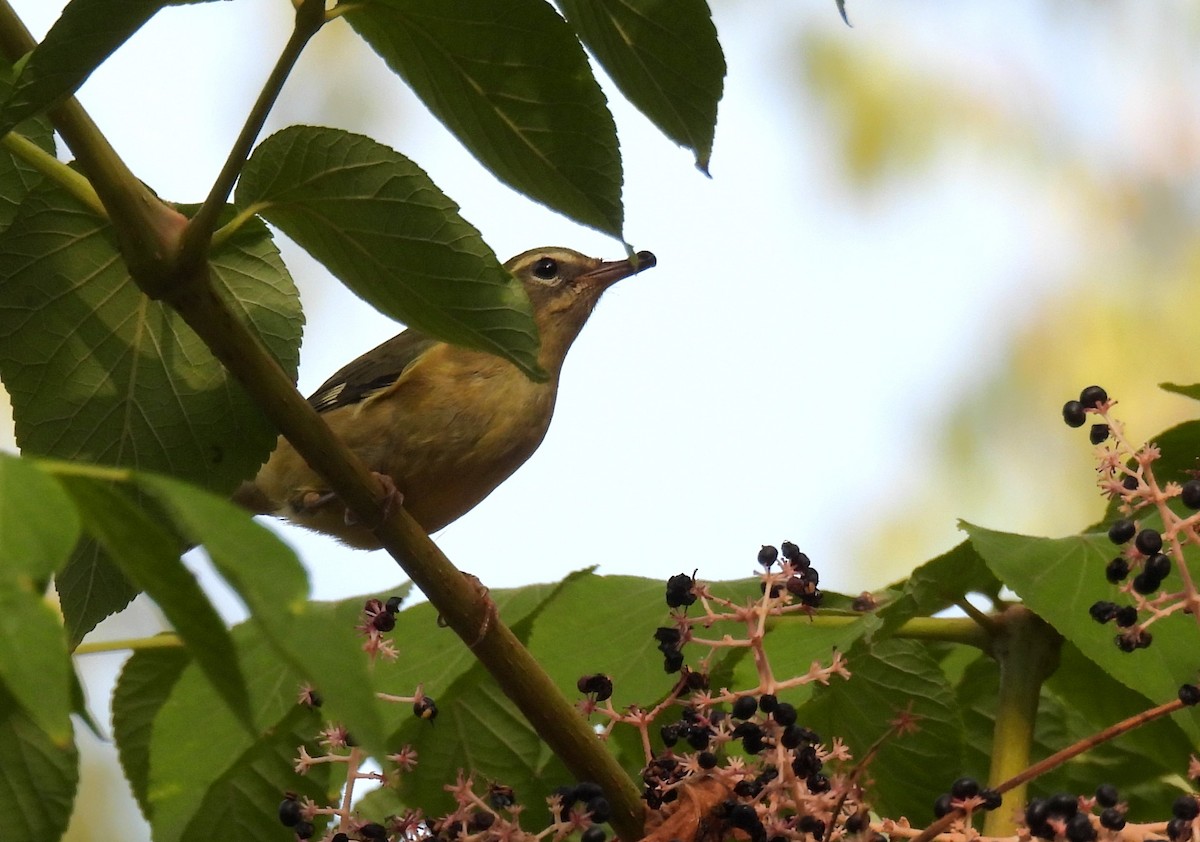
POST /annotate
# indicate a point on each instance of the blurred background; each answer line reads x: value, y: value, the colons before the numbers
x: 922, y: 235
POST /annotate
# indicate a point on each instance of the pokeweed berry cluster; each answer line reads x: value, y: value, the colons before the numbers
x: 1151, y: 533
x: 966, y: 795
x: 748, y: 767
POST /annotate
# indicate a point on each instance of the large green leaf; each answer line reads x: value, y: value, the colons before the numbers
x: 143, y: 687
x: 90, y: 587
x: 99, y: 373
x: 890, y: 678
x: 212, y: 779
x: 1060, y: 578
x: 510, y: 80
x: 148, y: 555
x: 318, y: 641
x: 664, y: 57
x: 375, y: 219
x: 38, y: 776
x: 38, y: 528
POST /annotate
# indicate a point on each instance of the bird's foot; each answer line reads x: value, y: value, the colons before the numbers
x: 391, y: 498
x: 489, y: 609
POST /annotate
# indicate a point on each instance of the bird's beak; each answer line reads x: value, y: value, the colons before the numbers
x: 611, y: 271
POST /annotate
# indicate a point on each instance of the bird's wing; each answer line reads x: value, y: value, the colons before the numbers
x: 372, y: 372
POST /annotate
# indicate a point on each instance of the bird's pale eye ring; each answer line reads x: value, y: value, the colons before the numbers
x: 546, y: 269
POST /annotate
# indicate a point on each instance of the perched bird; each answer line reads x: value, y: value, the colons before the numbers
x: 444, y: 424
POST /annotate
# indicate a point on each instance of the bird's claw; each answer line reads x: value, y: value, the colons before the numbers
x: 389, y: 501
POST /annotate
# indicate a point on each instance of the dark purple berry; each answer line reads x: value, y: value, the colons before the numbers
x: 304, y: 830
x: 1073, y: 414
x: 599, y: 809
x: 767, y: 702
x: 857, y: 823
x: 289, y: 811
x: 1148, y: 541
x: 425, y: 708
x: 1121, y: 531
x: 595, y: 833
x: 1130, y: 483
x: 1179, y: 830
x: 744, y: 707
x: 1126, y: 616
x: 1117, y: 570
x: 1158, y: 566
x: 1062, y: 804
x: 1103, y: 611
x: 817, y: 783
x: 1185, y: 807
x: 784, y: 714
x: 1098, y: 433
x: 383, y: 621
x: 943, y: 805
x: 1092, y: 396
x: 393, y: 604
x: 1080, y: 829
x: 669, y: 734
x: 1146, y: 584
x: 1112, y: 818
x: 672, y: 661
x: 1107, y: 795
x: 768, y: 555
x: 964, y: 788
x: 1189, y: 694
x: 706, y: 760
x: 744, y: 817
x: 374, y: 830
x: 679, y: 591
x: 1191, y: 494
x: 991, y: 799
x: 598, y: 685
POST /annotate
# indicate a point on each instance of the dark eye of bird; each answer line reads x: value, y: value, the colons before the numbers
x: 546, y: 268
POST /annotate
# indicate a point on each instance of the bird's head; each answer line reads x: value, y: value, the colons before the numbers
x: 564, y: 286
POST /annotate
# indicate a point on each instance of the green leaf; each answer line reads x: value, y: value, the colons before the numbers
x: 939, y: 584
x: 510, y: 80
x: 34, y: 663
x: 38, y: 524
x: 90, y: 587
x: 1192, y: 391
x: 142, y: 688
x: 375, y: 219
x: 149, y: 556
x: 664, y: 57
x: 38, y: 528
x: 888, y: 679
x: 617, y: 616
x: 212, y: 779
x: 318, y: 641
x: 99, y: 373
x: 38, y: 777
x: 86, y: 33
x: 1060, y: 578
x: 17, y: 178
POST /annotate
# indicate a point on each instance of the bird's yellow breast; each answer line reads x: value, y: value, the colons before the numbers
x: 451, y: 429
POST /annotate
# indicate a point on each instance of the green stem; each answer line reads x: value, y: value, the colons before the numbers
x: 310, y: 17
x: 136, y: 644
x: 1027, y: 652
x: 964, y: 630
x: 55, y: 170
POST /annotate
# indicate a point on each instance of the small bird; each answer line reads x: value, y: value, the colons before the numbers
x: 442, y: 424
